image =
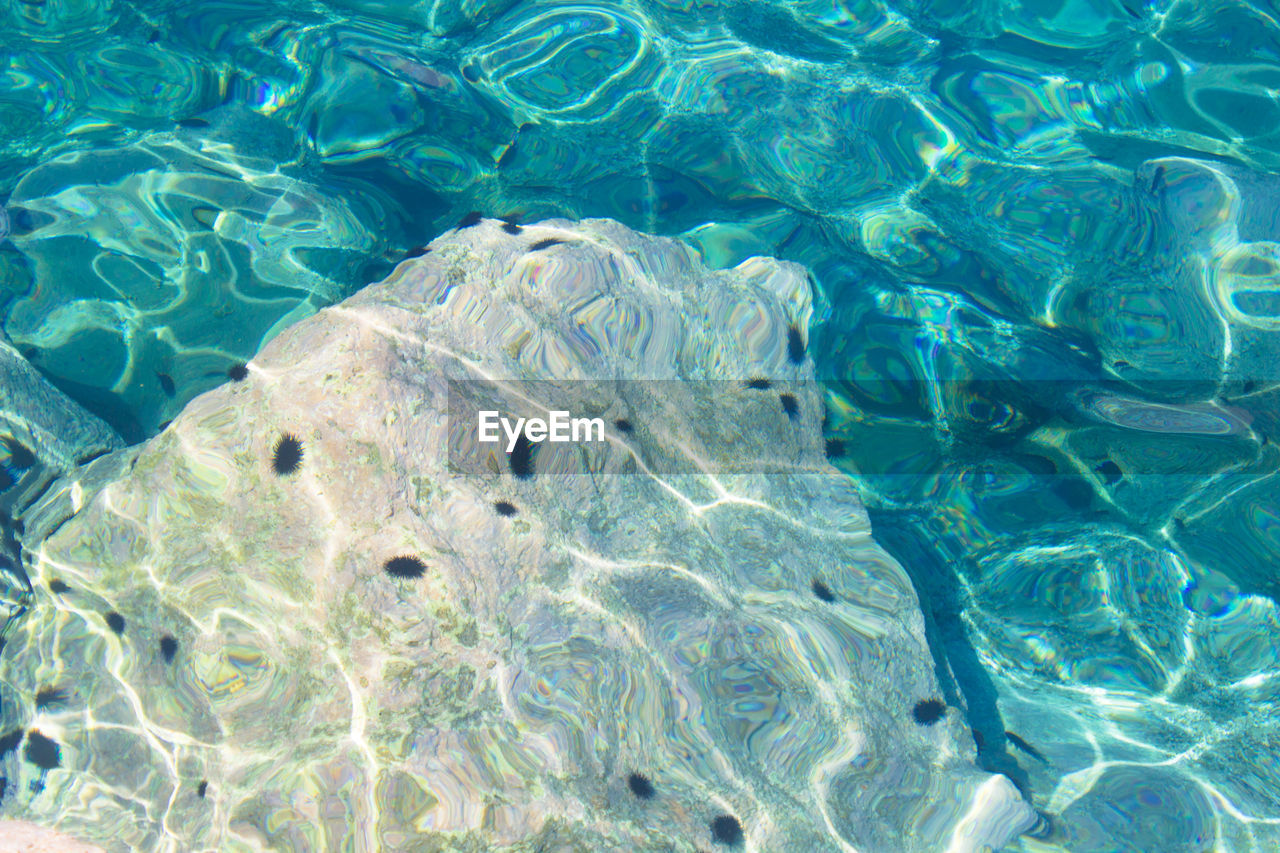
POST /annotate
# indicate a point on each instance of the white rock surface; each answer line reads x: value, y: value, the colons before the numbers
x: 18, y: 836
x: 655, y: 614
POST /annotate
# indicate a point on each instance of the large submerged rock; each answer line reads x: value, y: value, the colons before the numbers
x: 650, y: 607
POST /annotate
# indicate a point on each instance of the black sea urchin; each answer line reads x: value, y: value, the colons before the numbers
x: 521, y: 458
x: 42, y: 751
x: 287, y: 457
x: 640, y: 786
x: 168, y: 648
x: 823, y: 591
x: 726, y: 830
x: 795, y: 345
x: 929, y: 711
x: 405, y: 567
x: 48, y: 697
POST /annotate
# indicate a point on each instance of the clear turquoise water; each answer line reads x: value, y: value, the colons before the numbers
x: 1045, y: 236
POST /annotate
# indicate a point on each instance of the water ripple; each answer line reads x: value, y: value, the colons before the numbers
x: 1045, y: 240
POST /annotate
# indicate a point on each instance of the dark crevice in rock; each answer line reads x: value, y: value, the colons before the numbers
x: 965, y: 683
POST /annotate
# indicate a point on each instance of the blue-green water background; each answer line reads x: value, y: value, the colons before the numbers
x: 1041, y: 232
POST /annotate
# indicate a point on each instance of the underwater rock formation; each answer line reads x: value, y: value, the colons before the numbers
x: 57, y: 432
x: 43, y: 433
x: 315, y: 614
